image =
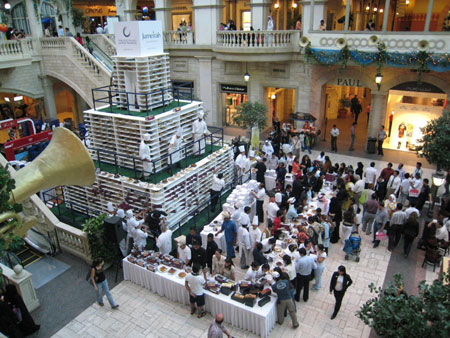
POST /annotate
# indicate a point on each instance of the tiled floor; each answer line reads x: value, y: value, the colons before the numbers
x: 144, y: 314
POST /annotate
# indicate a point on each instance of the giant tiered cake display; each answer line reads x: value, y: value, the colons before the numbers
x: 115, y: 134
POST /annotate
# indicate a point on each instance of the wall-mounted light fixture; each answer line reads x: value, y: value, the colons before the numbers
x: 378, y: 79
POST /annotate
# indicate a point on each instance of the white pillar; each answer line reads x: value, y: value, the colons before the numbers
x: 24, y: 285
x: 386, y: 15
x: 347, y: 15
x: 207, y: 17
x: 428, y: 17
x: 260, y: 11
x: 126, y: 9
x: 163, y: 13
x: 377, y: 113
x: 33, y: 19
x: 205, y: 89
x: 312, y: 13
x: 49, y: 98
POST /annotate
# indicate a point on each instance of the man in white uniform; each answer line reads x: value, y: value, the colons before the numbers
x: 184, y: 252
x: 240, y: 161
x: 132, y: 224
x: 164, y: 241
x: 174, y: 146
x: 244, y: 245
x: 255, y: 233
x: 140, y: 237
x: 272, y: 209
x: 199, y: 130
x: 267, y: 149
x: 144, y: 155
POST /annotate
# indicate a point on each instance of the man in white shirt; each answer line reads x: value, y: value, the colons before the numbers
x: 404, y: 190
x: 334, y: 135
x: 132, y: 224
x: 401, y: 171
x: 259, y: 195
x: 240, y: 161
x: 199, y: 130
x: 441, y: 232
x: 174, y: 146
x: 321, y: 158
x: 244, y: 245
x: 358, y: 188
x: 414, y: 189
x: 418, y: 170
x: 245, y: 219
x: 272, y: 162
x: 267, y: 148
x: 218, y: 183
x: 370, y: 174
x: 272, y: 209
x: 194, y: 286
x: 140, y: 237
x: 164, y: 241
x: 268, y: 244
x: 255, y: 232
x: 393, y: 184
x: 410, y: 210
x: 236, y: 216
x: 144, y: 155
x: 184, y: 252
x: 250, y: 275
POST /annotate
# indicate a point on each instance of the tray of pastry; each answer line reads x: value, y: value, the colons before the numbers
x: 238, y: 297
x: 152, y: 267
x: 163, y: 269
x: 172, y: 271
x: 177, y: 263
x: 220, y: 279
x: 131, y: 259
x: 182, y: 274
x: 250, y: 300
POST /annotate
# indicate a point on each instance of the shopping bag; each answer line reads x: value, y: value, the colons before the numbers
x: 414, y: 192
x: 363, y: 197
x: 381, y: 235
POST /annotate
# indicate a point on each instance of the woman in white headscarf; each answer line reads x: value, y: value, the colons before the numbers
x: 390, y: 204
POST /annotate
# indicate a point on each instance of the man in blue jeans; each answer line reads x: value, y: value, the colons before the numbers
x: 229, y: 227
x: 379, y: 224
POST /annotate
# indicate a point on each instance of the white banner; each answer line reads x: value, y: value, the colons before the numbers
x: 138, y: 38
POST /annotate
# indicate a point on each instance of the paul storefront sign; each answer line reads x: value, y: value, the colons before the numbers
x: 138, y: 38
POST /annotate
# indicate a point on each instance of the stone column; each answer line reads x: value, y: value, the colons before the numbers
x: 49, y: 98
x: 205, y: 89
x: 126, y: 9
x: 260, y: 11
x: 312, y: 13
x: 377, y: 113
x: 428, y: 17
x: 163, y: 13
x: 207, y: 18
x: 33, y: 19
x: 21, y: 279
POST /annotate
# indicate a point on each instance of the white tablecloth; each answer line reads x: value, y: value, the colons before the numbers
x: 259, y: 320
x: 220, y: 240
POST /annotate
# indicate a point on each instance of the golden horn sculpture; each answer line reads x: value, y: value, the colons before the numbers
x: 65, y: 161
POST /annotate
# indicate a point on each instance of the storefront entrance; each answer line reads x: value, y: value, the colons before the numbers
x: 347, y: 102
x: 280, y: 103
x: 410, y: 106
x: 231, y: 97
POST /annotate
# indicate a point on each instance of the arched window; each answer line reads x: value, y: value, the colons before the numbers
x: 20, y: 18
x: 47, y: 10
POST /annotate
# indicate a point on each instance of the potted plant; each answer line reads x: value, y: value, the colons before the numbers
x: 99, y: 247
x: 392, y: 313
x: 251, y: 114
x: 345, y: 104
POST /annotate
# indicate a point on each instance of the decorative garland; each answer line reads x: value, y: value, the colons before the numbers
x: 424, y: 60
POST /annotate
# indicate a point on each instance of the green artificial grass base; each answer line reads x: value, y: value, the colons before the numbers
x: 116, y: 110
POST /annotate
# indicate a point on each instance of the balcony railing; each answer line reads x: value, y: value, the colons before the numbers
x: 258, y: 39
x: 178, y: 38
x: 16, y: 49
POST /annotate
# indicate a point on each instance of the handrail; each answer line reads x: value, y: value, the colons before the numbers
x: 115, y: 98
x: 61, y: 43
x: 15, y: 48
x: 258, y: 39
x: 102, y: 57
x: 105, y: 42
x: 159, y: 161
x: 179, y: 37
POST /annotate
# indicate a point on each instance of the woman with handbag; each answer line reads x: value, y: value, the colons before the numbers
x: 98, y: 280
x: 16, y: 304
x: 340, y: 282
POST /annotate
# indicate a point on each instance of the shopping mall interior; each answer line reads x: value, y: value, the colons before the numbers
x: 123, y: 136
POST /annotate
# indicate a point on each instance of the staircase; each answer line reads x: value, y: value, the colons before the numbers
x: 65, y: 59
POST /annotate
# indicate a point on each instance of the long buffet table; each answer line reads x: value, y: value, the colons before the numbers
x: 259, y: 320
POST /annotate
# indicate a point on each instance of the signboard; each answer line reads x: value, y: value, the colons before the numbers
x: 348, y: 82
x: 8, y: 124
x: 138, y: 38
x: 225, y: 88
x: 423, y: 87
